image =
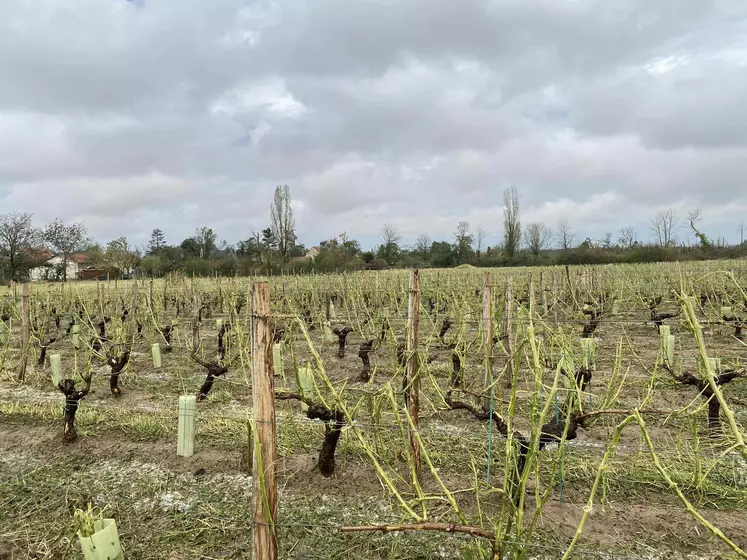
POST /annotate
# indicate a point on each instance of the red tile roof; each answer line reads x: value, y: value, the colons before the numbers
x: 38, y: 254
x: 79, y: 258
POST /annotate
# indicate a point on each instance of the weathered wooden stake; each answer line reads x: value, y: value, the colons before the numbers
x: 507, y: 330
x: 413, y: 365
x: 195, y: 324
x: 543, y: 293
x: 151, y: 303
x: 530, y: 293
x: 100, y: 293
x: 555, y: 297
x: 25, y: 333
x: 487, y: 327
x: 220, y: 296
x: 264, y: 464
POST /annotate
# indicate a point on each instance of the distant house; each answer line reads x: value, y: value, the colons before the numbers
x: 92, y: 273
x: 51, y: 269
x: 310, y: 255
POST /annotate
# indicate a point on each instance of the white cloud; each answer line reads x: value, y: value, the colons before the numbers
x: 271, y: 96
x: 87, y: 197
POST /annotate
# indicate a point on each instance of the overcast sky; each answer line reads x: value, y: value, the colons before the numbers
x: 138, y: 114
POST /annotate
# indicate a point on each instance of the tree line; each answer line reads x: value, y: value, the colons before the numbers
x: 276, y: 248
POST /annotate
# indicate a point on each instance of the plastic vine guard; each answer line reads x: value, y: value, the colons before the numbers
x: 104, y: 543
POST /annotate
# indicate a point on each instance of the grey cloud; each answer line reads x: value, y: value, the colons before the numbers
x: 176, y: 114
x: 698, y: 103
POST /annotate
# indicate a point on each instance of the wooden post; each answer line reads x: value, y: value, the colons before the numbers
x: 413, y: 364
x: 543, y: 294
x: 132, y: 325
x: 220, y: 297
x: 195, y: 324
x: 25, y: 333
x: 507, y: 327
x: 555, y: 297
x: 530, y: 293
x: 100, y: 293
x: 487, y: 327
x: 151, y: 303
x: 265, y: 495
x: 187, y: 422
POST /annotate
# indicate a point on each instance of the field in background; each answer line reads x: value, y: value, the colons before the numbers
x: 580, y: 346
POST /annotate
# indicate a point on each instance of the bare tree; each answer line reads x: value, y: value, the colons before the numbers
x: 17, y: 234
x: 664, y: 227
x: 65, y: 240
x: 564, y: 234
x: 511, y: 221
x: 282, y: 222
x: 390, y: 235
x: 390, y: 239
x: 537, y: 238
x: 627, y: 237
x: 423, y: 245
x: 480, y: 241
x: 692, y: 219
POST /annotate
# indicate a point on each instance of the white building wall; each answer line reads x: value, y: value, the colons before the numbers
x: 48, y: 272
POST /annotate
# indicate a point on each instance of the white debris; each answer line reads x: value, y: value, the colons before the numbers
x: 173, y: 501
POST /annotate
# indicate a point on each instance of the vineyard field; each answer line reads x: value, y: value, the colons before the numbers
x: 522, y: 413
